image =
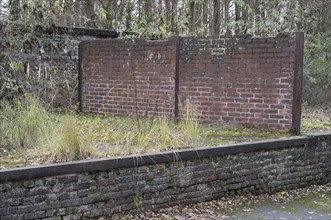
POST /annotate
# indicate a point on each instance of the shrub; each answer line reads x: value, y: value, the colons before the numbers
x: 317, y: 69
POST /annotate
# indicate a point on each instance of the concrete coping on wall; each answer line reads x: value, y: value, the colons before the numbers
x: 96, y: 165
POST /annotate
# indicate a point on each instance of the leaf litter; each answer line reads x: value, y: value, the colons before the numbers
x: 223, y: 208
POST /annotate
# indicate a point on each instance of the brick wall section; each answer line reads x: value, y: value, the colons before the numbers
x: 103, y: 192
x: 62, y: 59
x: 53, y: 63
x: 128, y: 77
x: 239, y: 79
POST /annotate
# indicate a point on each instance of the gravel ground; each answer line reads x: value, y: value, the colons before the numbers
x: 308, y: 203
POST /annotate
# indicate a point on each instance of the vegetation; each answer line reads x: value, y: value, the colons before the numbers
x: 316, y: 119
x: 32, y: 135
x: 67, y: 143
x: 23, y: 24
x: 317, y: 71
x: 27, y: 125
x: 23, y: 123
x: 31, y: 91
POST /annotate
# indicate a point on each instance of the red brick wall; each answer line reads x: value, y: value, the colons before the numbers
x: 128, y: 77
x: 226, y: 79
x: 239, y: 79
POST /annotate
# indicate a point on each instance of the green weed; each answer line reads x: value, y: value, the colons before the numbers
x: 136, y: 200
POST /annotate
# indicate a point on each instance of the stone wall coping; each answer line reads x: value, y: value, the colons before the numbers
x: 319, y: 134
x: 95, y: 165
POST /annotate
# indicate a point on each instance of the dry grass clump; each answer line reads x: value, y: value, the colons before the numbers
x: 27, y: 126
x: 67, y: 143
x: 24, y: 123
x: 189, y: 125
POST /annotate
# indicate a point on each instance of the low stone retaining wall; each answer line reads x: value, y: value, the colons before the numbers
x: 101, y: 188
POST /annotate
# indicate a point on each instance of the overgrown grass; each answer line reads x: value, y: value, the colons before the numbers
x: 117, y: 136
x: 26, y: 126
x: 316, y: 119
x: 125, y: 135
x: 189, y: 126
x: 67, y: 143
x: 23, y: 123
x: 38, y: 135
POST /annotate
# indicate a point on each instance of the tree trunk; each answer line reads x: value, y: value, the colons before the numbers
x: 245, y: 16
x: 159, y: 7
x: 128, y: 18
x: 69, y: 16
x: 216, y: 18
x: 237, y: 18
x: 112, y: 14
x: 168, y: 10
x: 226, y: 16
x: 89, y: 12
x: 78, y: 21
x: 148, y: 11
x: 173, y: 24
x: 191, y: 7
x: 205, y: 16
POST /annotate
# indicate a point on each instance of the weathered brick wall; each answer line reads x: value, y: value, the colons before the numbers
x: 128, y: 77
x: 103, y: 188
x: 237, y: 79
x: 52, y: 68
x: 59, y: 51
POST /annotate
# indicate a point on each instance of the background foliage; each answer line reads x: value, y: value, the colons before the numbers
x: 23, y: 23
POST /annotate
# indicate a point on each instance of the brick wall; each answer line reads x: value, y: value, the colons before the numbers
x: 128, y: 77
x: 239, y: 79
x: 102, y: 188
x: 236, y: 79
x: 52, y: 67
